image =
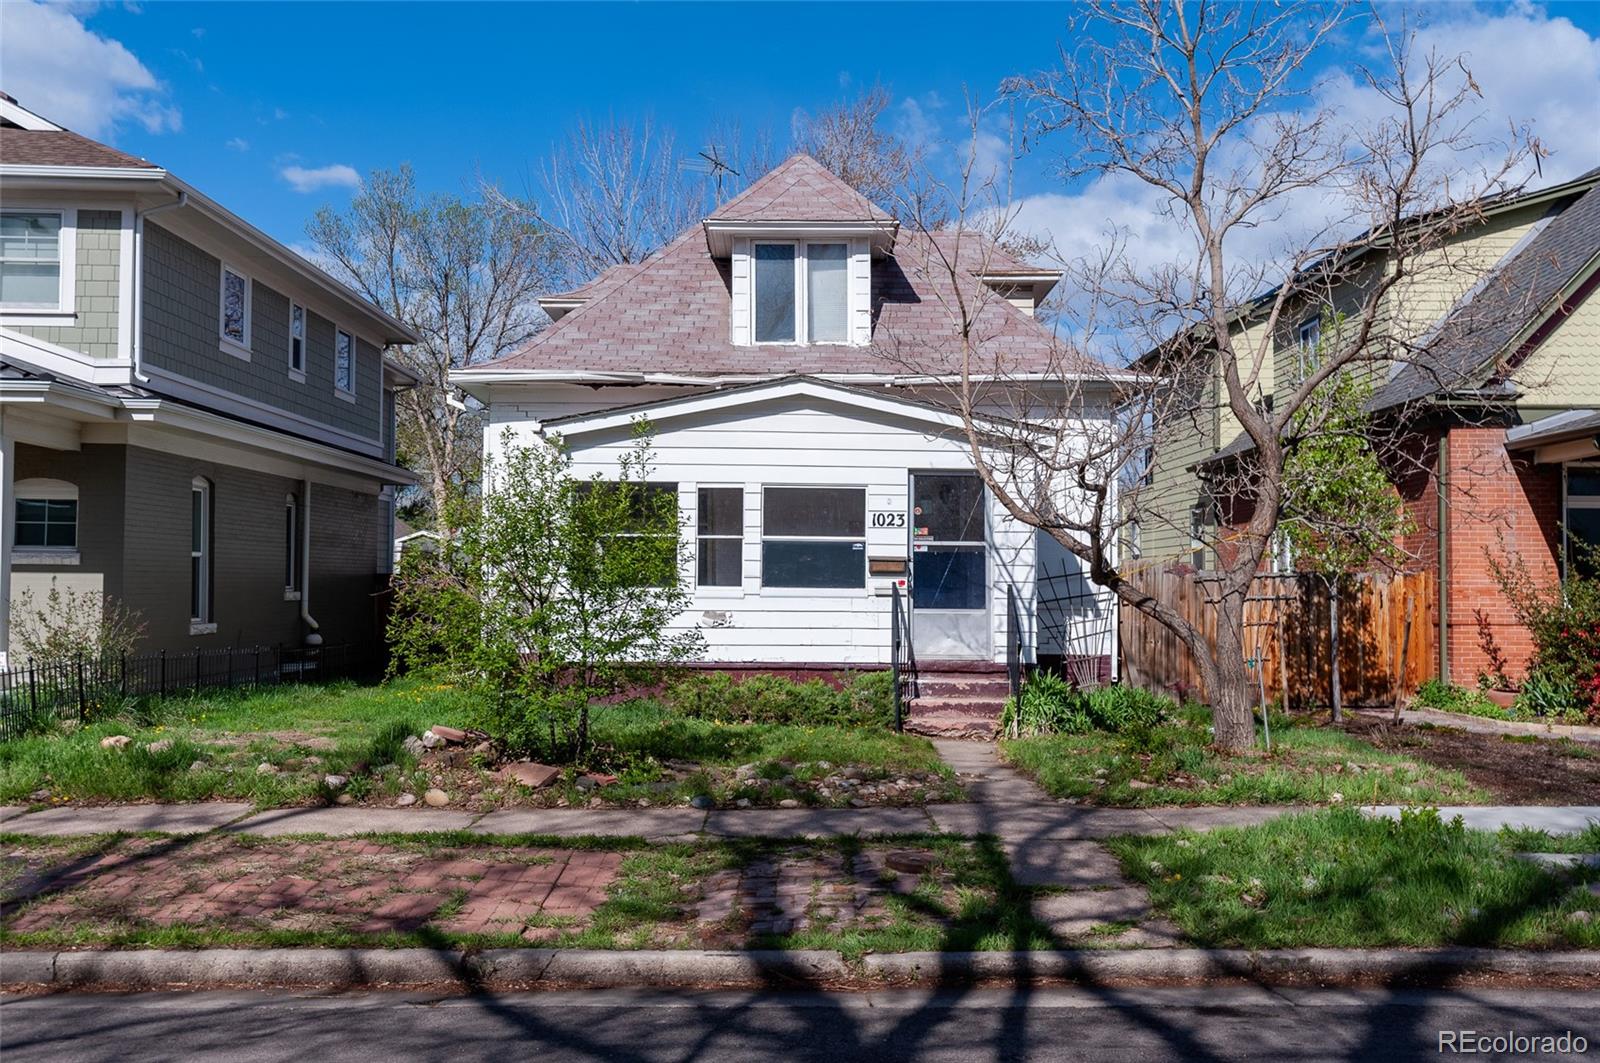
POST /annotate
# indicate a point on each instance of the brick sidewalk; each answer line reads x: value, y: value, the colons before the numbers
x: 339, y: 885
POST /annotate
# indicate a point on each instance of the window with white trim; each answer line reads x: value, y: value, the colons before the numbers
x: 30, y: 259
x: 719, y: 542
x: 1307, y: 335
x: 801, y: 293
x: 291, y: 546
x: 235, y: 308
x: 297, y: 339
x: 1581, y: 528
x: 813, y: 537
x: 46, y: 516
x: 199, y: 552
x: 344, y: 361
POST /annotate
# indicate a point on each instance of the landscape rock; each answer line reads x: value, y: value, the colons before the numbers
x: 334, y: 782
x: 436, y: 797
x: 431, y: 740
x: 266, y: 768
x: 534, y: 776
x: 115, y: 742
x: 702, y: 801
x: 909, y: 861
x: 743, y: 802
x: 344, y: 799
x: 413, y: 745
x: 600, y: 778
x: 406, y: 800
x: 1140, y: 784
x: 159, y: 746
x: 788, y: 802
x: 453, y: 735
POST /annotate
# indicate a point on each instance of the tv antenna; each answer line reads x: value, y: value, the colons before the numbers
x: 711, y: 163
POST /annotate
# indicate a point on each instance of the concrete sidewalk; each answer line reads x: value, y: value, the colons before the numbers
x: 1489, y: 725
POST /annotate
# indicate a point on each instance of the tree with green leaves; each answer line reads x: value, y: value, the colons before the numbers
x: 556, y: 591
x: 1340, y: 514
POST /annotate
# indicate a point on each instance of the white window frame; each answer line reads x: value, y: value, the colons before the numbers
x: 1307, y: 334
x: 347, y: 394
x: 802, y: 292
x: 66, y: 293
x: 297, y: 373
x: 200, y: 575
x: 863, y: 539
x: 1587, y: 502
x: 44, y: 490
x: 720, y: 590
x: 228, y: 344
x: 291, y: 561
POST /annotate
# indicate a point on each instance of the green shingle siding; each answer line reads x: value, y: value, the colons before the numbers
x: 93, y: 332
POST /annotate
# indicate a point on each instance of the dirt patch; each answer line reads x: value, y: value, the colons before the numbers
x: 1517, y: 769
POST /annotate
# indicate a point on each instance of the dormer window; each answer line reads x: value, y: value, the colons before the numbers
x: 802, y: 293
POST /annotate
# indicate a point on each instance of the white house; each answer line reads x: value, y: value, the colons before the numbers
x: 788, y: 352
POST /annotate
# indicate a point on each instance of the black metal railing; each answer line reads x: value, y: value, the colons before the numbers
x: 902, y: 656
x: 1014, y: 649
x: 42, y: 692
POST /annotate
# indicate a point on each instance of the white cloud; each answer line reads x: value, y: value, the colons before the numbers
x: 58, y: 67
x: 238, y: 144
x: 337, y: 175
x: 1531, y: 67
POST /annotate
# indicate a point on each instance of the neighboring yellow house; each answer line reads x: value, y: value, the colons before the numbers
x: 1495, y: 429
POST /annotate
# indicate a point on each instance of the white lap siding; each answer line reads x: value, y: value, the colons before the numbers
x: 800, y: 442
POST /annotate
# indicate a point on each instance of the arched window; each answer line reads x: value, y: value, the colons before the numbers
x: 199, y: 551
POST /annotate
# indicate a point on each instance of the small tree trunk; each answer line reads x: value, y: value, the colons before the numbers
x: 1229, y: 685
x: 1333, y: 650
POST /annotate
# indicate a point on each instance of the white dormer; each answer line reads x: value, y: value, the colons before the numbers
x: 807, y: 289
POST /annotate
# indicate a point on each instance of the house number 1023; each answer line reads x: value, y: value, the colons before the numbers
x: 888, y: 520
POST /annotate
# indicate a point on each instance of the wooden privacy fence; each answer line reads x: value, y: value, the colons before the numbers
x: 1286, y: 632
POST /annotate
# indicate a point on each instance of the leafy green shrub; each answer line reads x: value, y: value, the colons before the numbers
x: 1048, y: 704
x: 863, y: 699
x: 1564, y: 619
x: 1447, y: 697
x: 1117, y: 707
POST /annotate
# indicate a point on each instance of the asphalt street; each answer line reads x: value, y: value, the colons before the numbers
x: 1143, y: 1025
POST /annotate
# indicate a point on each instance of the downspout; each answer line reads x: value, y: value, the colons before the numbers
x: 312, y: 638
x: 138, y: 281
x: 1442, y: 489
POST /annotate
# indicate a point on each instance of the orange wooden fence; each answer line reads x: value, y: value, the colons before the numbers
x: 1286, y: 632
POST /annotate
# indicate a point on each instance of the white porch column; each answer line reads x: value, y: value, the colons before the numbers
x: 8, y: 517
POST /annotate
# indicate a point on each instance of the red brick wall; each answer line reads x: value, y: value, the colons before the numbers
x: 1499, y: 506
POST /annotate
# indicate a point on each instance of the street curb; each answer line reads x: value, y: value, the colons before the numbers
x: 770, y: 969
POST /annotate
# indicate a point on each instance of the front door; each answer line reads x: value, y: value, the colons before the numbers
x: 949, y: 567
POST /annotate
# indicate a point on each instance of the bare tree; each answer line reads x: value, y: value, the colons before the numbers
x: 849, y: 138
x: 609, y: 195
x: 1208, y: 105
x: 465, y: 277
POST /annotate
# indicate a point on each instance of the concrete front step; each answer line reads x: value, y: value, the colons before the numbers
x: 982, y: 703
x: 949, y: 726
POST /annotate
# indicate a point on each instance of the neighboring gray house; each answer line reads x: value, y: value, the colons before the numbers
x: 194, y: 420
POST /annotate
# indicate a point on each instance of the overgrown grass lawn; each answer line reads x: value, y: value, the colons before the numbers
x: 1175, y: 763
x: 1335, y: 878
x: 274, y: 747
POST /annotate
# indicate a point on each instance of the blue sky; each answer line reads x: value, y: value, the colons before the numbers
x: 277, y: 109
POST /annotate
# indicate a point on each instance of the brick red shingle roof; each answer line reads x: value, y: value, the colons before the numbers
x: 33, y: 147
x: 671, y: 314
x: 801, y: 189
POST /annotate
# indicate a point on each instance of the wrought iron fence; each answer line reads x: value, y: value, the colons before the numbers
x: 42, y: 692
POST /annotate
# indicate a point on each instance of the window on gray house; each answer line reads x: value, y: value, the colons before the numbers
x: 344, y: 361
x: 1307, y: 336
x: 200, y: 551
x: 291, y: 544
x: 30, y: 259
x: 719, y: 553
x: 297, y: 337
x: 774, y: 284
x: 235, y: 307
x: 813, y: 537
x: 47, y: 523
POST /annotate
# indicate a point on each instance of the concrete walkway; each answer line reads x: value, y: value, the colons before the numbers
x: 1554, y: 819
